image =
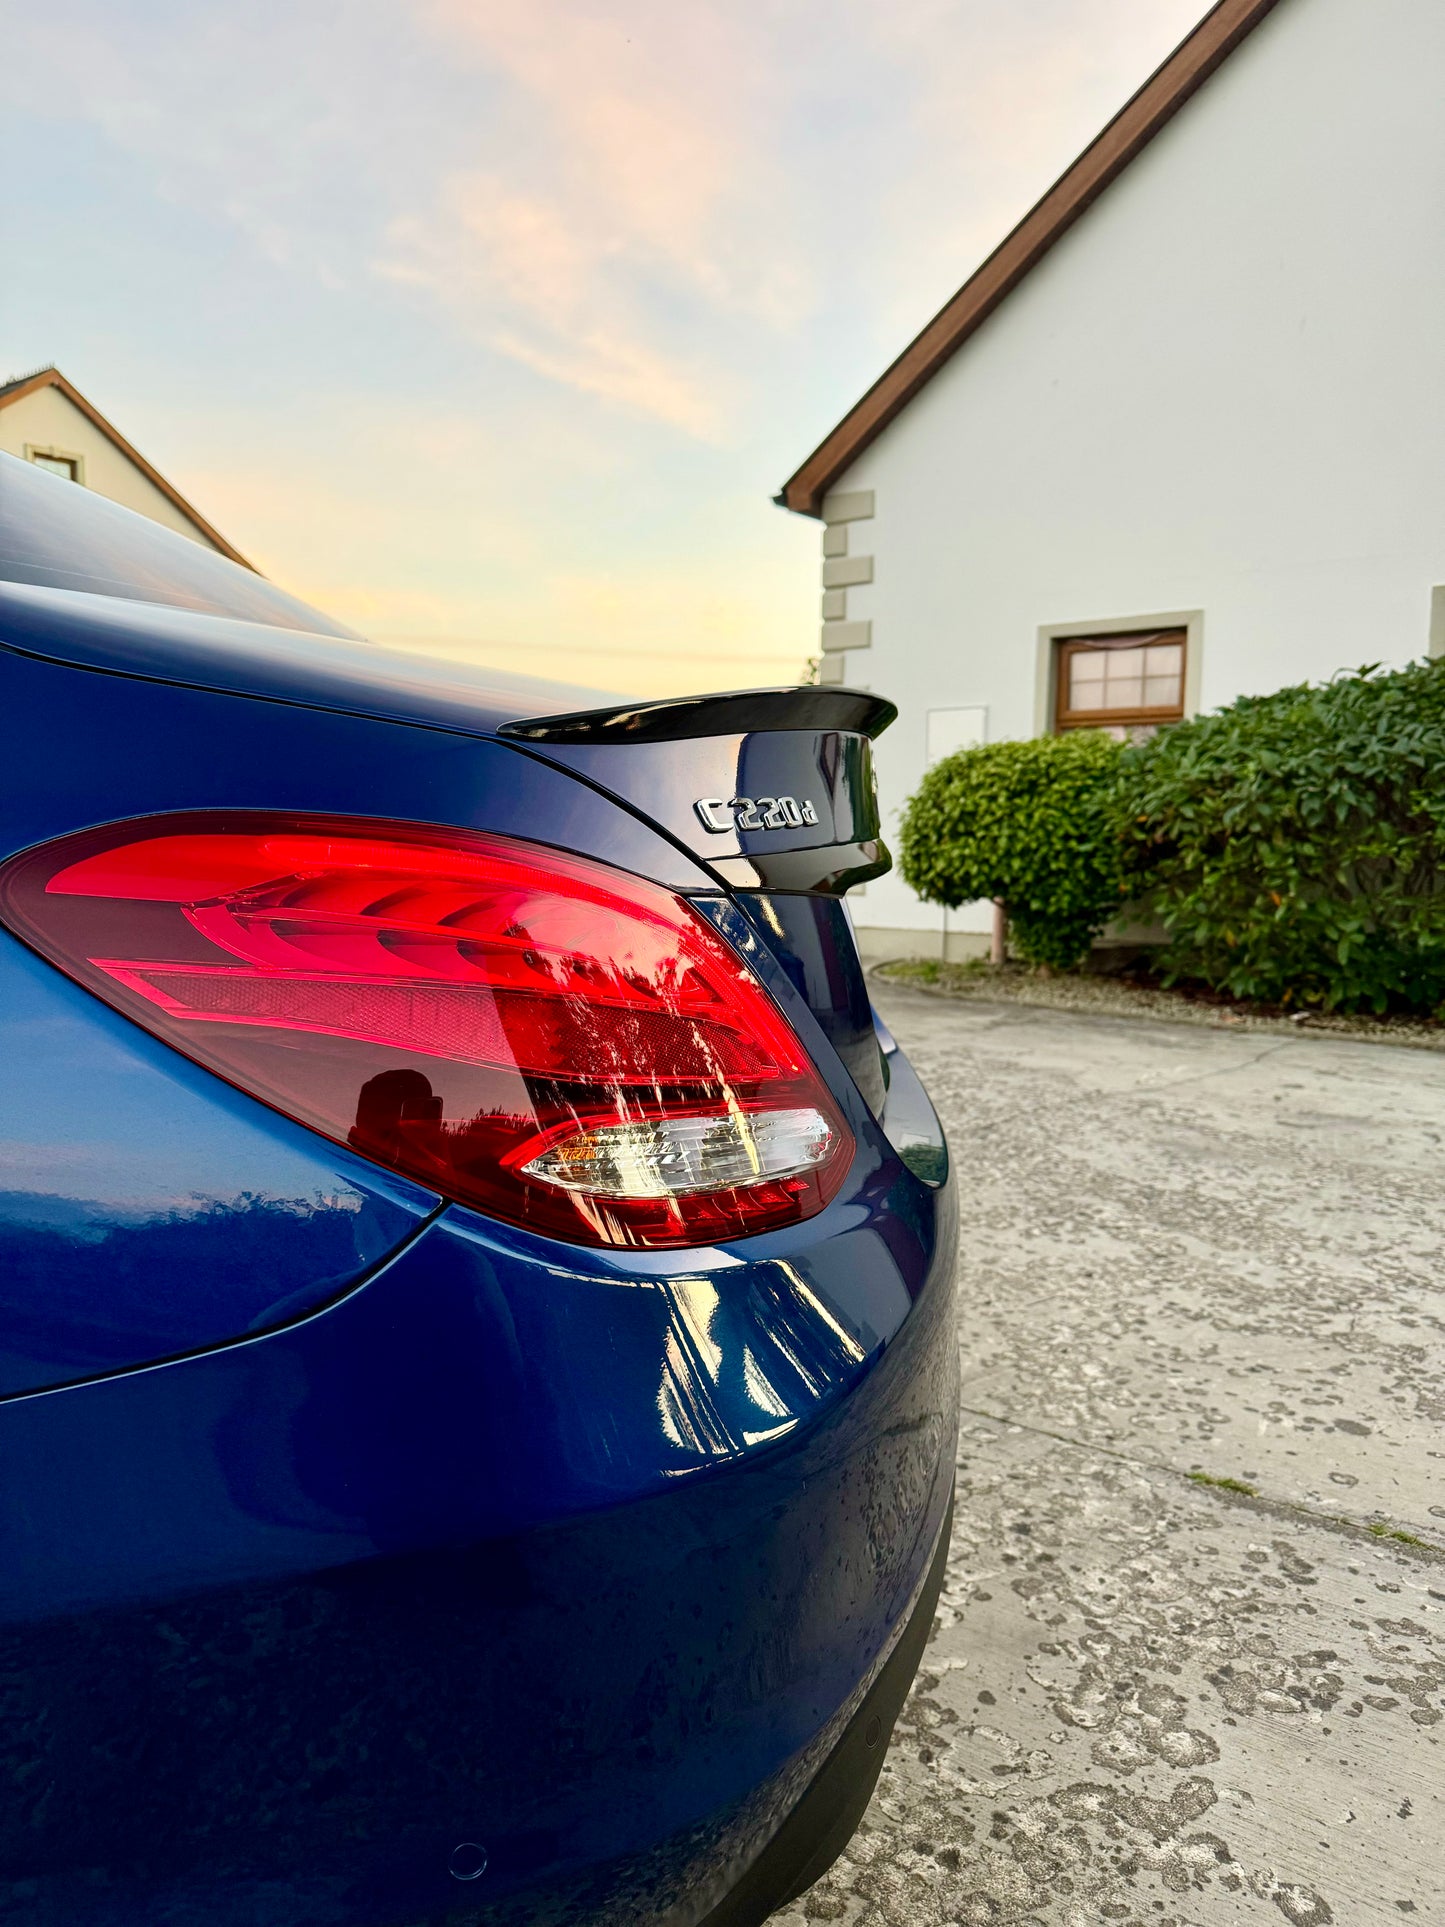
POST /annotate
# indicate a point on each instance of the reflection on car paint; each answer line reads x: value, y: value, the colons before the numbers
x: 149, y: 1210
x: 718, y: 1396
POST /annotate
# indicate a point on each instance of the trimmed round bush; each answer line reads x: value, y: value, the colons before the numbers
x: 1030, y: 824
x: 1294, y: 845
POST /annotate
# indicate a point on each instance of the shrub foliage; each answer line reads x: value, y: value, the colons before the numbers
x: 1294, y: 844
x: 1031, y: 824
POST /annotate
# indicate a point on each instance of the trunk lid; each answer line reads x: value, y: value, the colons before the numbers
x: 773, y: 789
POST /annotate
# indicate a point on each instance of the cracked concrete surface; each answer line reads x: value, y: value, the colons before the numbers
x: 1152, y: 1700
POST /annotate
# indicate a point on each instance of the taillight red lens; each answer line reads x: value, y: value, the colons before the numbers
x: 556, y: 1042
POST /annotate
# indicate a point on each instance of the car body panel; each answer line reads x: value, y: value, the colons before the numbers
x: 812, y: 940
x: 146, y: 1208
x: 827, y: 768
x: 622, y: 1704
x: 57, y: 535
x: 830, y: 770
x: 203, y: 650
x: 582, y: 1555
x: 581, y: 1559
x: 137, y: 748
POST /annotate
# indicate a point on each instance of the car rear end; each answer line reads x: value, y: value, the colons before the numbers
x: 477, y: 1384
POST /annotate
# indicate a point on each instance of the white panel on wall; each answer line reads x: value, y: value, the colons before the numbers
x: 951, y: 729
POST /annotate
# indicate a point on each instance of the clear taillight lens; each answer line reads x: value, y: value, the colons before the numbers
x: 555, y: 1042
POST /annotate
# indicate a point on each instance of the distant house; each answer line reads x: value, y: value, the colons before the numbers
x: 1182, y: 436
x: 46, y: 420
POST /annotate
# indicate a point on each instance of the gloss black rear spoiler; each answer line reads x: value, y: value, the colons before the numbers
x: 771, y: 788
x: 743, y: 712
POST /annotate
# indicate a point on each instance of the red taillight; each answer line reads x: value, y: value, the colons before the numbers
x: 553, y: 1041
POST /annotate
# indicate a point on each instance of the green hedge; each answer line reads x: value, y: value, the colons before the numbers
x: 1033, y: 824
x: 1294, y: 845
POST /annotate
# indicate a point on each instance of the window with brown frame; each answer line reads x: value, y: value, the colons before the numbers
x: 66, y: 465
x: 1127, y: 684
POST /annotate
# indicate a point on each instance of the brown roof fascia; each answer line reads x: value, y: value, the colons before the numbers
x: 52, y: 378
x: 1127, y: 134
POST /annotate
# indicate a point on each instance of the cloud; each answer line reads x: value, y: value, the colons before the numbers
x: 624, y: 228
x: 543, y: 286
x: 644, y: 117
x: 657, y: 206
x: 497, y: 322
x: 627, y: 371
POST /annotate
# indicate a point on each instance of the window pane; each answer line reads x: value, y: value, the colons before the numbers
x: 1119, y: 672
x: 1122, y: 664
x: 57, y: 465
x: 1124, y: 688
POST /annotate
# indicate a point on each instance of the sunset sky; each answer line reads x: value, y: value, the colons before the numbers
x: 494, y: 328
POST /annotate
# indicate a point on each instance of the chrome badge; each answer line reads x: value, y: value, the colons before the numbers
x: 753, y: 813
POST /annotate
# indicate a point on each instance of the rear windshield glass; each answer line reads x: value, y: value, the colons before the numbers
x: 56, y: 534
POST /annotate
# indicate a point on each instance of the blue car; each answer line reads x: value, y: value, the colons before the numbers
x: 477, y: 1361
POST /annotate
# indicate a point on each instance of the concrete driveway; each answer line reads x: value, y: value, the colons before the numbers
x: 1190, y: 1661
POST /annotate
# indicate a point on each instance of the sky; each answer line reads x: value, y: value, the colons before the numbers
x: 493, y: 329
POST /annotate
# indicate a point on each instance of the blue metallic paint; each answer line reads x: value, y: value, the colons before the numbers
x: 584, y: 1555
x: 831, y: 768
x: 621, y: 1700
x: 146, y: 1208
x: 249, y: 658
x: 135, y: 747
x: 52, y: 532
x: 812, y: 941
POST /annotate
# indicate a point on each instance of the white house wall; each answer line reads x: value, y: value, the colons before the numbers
x: 1222, y: 392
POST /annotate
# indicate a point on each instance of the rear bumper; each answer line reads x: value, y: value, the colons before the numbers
x: 589, y: 1560
x: 826, y: 1817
